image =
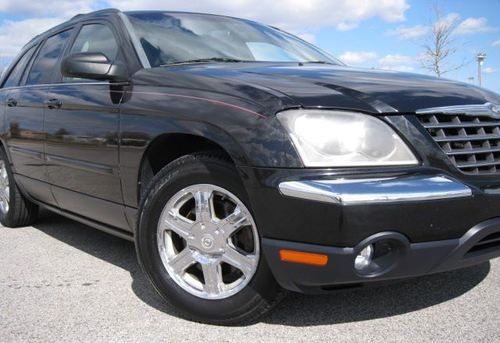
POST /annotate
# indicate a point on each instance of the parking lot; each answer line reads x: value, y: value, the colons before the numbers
x: 63, y: 281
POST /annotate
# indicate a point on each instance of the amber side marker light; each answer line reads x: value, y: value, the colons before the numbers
x: 303, y: 257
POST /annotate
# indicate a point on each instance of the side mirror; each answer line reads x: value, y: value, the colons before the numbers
x: 90, y: 65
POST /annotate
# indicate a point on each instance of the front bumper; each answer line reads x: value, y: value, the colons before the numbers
x: 479, y: 244
x: 433, y: 220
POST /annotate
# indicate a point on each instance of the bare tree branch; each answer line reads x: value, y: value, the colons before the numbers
x: 439, y: 45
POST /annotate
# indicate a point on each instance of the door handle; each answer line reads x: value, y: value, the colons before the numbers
x: 11, y: 102
x: 53, y: 103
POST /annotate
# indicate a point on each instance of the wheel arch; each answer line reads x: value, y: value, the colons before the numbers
x: 3, y: 146
x: 157, y: 153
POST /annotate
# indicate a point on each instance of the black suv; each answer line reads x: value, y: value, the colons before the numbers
x: 244, y: 161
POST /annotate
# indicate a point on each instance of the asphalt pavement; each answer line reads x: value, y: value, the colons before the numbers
x: 61, y: 281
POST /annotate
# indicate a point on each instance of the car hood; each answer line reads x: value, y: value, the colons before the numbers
x: 313, y: 85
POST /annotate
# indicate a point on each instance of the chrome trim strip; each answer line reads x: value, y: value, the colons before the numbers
x: 135, y: 41
x: 372, y: 191
x: 26, y: 152
x: 82, y: 165
x: 41, y: 85
x: 487, y: 109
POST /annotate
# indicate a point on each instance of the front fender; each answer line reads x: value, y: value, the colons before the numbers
x: 248, y: 134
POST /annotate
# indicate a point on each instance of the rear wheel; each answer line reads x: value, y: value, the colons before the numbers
x: 199, y: 244
x: 15, y: 209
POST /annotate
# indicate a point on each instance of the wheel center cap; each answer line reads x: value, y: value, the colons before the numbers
x: 206, y: 238
x: 207, y: 241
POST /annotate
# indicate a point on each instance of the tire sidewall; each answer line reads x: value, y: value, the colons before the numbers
x: 5, y: 218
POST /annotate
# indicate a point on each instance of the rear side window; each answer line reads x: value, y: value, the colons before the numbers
x: 43, y: 68
x: 17, y: 72
x: 96, y: 38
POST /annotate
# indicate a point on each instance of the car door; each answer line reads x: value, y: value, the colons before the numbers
x: 25, y: 114
x: 24, y: 122
x: 82, y: 124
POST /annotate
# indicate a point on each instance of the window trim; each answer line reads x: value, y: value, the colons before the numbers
x: 40, y: 47
x: 13, y: 66
x: 134, y: 40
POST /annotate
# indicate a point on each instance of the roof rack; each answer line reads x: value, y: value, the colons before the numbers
x: 77, y: 16
x: 95, y: 12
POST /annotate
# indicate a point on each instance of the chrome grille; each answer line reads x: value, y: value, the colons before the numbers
x: 472, y: 142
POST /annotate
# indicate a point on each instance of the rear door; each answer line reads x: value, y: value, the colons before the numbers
x: 82, y: 125
x: 26, y: 103
x: 24, y: 121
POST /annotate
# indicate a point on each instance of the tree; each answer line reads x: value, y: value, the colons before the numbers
x: 439, y: 45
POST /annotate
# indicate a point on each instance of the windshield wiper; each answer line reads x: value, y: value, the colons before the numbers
x: 205, y: 60
x: 318, y: 62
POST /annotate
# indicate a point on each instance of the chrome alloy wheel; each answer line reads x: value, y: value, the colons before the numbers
x: 4, y: 188
x: 208, y: 241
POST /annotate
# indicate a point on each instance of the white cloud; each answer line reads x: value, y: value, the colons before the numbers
x: 308, y: 37
x: 353, y: 57
x: 410, y: 32
x: 497, y: 43
x: 15, y: 34
x: 287, y: 14
x: 395, y: 59
x: 490, y: 70
x: 397, y: 62
x: 63, y: 8
x: 472, y: 26
x: 346, y: 26
x: 407, y: 69
x: 468, y: 26
x: 449, y: 19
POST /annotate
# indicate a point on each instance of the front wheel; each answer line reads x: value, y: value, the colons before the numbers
x: 198, y: 242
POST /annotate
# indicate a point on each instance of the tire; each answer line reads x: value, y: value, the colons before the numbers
x: 197, y: 291
x: 15, y: 209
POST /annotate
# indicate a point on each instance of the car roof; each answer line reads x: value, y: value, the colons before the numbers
x: 182, y: 12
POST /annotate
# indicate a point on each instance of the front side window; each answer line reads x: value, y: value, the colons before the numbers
x: 96, y: 38
x: 44, y: 66
x: 17, y: 72
x: 169, y: 38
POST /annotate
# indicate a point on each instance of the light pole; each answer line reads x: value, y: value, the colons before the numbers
x: 480, y: 60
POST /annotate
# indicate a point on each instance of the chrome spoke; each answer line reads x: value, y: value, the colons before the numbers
x: 3, y: 196
x: 203, y: 205
x: 245, y: 263
x: 212, y: 273
x: 4, y: 188
x: 233, y: 222
x: 178, y: 224
x: 182, y: 261
x: 3, y: 172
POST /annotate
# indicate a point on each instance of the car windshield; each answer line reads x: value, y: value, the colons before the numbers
x: 172, y: 38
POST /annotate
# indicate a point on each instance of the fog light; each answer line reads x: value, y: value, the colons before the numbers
x: 364, y: 258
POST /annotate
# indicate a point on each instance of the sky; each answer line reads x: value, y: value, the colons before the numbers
x: 383, y: 34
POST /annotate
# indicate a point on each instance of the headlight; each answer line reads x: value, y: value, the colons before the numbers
x: 344, y: 139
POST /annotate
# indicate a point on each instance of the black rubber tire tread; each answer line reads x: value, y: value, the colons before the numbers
x: 22, y: 212
x: 167, y: 177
